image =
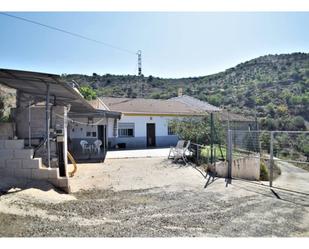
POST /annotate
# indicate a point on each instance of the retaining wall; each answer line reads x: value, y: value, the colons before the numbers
x: 245, y: 168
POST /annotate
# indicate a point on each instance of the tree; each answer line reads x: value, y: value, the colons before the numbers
x: 282, y: 110
x: 88, y: 92
x: 196, y: 129
x: 269, y: 124
x: 271, y: 109
x: 215, y: 99
x: 299, y: 123
x: 1, y: 107
x: 306, y: 151
x: 150, y: 78
x: 302, y: 144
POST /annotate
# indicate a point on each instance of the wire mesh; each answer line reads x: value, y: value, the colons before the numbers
x: 284, y: 155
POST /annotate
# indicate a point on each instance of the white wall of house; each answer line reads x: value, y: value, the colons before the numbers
x: 78, y: 130
x: 81, y: 129
x: 140, y: 131
x: 110, y: 128
x: 141, y: 121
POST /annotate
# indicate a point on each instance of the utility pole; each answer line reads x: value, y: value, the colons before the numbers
x: 139, y: 62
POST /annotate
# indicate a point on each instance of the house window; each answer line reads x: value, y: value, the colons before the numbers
x: 91, y: 134
x: 126, y: 129
x: 170, y: 130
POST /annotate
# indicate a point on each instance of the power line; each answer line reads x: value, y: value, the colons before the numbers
x: 69, y: 33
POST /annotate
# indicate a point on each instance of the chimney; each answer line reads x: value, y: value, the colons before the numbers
x: 179, y: 91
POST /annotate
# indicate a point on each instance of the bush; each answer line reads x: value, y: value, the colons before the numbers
x: 197, y: 129
x: 263, y: 171
x: 299, y: 123
x: 215, y: 100
x: 88, y: 92
x: 1, y: 107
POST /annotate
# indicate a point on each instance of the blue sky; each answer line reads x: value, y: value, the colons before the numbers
x: 173, y: 44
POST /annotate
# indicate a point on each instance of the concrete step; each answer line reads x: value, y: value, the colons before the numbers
x: 45, y: 173
x: 35, y: 163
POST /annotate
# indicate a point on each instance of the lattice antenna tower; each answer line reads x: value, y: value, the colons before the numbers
x: 139, y: 62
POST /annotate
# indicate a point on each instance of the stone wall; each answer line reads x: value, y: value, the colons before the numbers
x: 245, y: 168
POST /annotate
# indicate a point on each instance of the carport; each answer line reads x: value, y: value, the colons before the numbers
x: 45, y: 106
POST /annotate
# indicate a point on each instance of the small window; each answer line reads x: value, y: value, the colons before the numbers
x: 88, y: 134
x: 94, y: 134
x: 126, y: 129
x: 170, y: 130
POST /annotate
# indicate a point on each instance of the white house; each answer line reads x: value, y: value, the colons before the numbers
x: 145, y: 122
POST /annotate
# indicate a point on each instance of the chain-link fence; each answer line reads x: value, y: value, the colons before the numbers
x: 279, y: 157
x: 207, y: 154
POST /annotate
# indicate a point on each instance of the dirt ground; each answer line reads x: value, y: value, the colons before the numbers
x: 151, y: 197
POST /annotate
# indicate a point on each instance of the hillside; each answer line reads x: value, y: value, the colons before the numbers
x: 7, y: 100
x: 277, y: 86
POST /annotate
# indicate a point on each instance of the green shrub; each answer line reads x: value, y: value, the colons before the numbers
x: 88, y: 92
x: 263, y: 171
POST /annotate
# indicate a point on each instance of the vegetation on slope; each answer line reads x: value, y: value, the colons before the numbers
x: 276, y: 86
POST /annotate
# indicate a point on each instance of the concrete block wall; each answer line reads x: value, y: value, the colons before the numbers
x: 7, y: 130
x: 38, y: 129
x: 247, y: 168
x: 16, y: 161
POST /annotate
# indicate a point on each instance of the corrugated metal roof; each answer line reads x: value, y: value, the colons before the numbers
x: 35, y: 85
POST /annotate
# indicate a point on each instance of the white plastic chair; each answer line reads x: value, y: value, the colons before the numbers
x: 97, y: 143
x: 180, y: 144
x: 84, y: 145
x: 182, y: 153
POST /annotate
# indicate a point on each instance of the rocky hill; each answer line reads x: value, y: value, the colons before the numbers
x: 276, y: 87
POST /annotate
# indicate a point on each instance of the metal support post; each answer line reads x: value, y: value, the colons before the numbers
x: 197, y: 155
x: 47, y: 111
x: 230, y: 155
x: 271, y: 174
x: 105, y: 135
x: 211, y: 139
x: 29, y: 124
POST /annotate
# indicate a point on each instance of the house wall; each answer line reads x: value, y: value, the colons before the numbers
x: 77, y: 131
x: 140, y: 131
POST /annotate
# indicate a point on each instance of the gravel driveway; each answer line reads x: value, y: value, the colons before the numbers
x: 152, y: 197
